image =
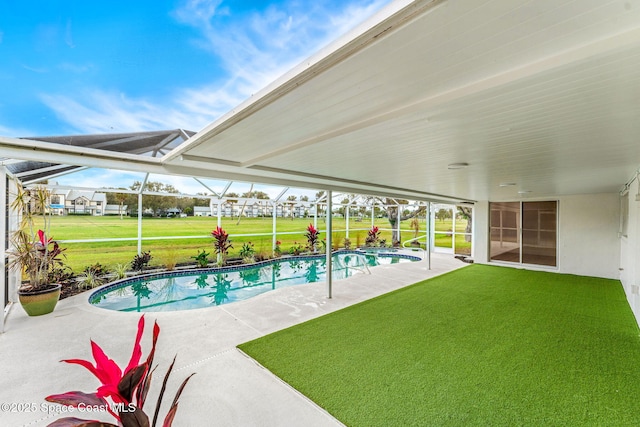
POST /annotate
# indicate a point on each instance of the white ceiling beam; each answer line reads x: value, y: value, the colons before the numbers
x: 39, y: 151
x: 44, y: 151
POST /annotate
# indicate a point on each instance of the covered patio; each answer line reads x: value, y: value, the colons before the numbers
x: 228, y: 388
x: 526, y: 110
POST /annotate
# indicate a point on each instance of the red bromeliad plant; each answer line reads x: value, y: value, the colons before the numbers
x: 277, y: 251
x: 312, y: 236
x: 373, y: 237
x: 122, y: 393
x: 40, y: 256
x: 222, y: 244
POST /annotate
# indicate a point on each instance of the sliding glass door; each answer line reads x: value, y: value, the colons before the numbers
x: 505, y: 231
x: 524, y: 232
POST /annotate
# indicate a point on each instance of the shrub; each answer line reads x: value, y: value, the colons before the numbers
x: 141, y: 261
x: 90, y: 280
x: 312, y: 236
x: 96, y: 269
x: 247, y: 252
x: 347, y: 243
x: 373, y: 237
x: 120, y: 271
x: 296, y: 249
x: 262, y: 255
x: 171, y: 259
x: 202, y: 259
x: 222, y: 244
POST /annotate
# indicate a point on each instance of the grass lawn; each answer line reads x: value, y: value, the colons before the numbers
x: 80, y: 255
x: 480, y: 346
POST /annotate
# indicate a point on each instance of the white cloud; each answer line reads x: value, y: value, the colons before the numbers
x: 198, y: 12
x: 254, y: 50
x: 109, y: 112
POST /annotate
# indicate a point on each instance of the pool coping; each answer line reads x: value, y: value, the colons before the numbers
x: 233, y: 268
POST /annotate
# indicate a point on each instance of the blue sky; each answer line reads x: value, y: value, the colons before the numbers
x: 79, y: 66
x: 107, y: 66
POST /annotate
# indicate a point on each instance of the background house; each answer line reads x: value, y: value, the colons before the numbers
x: 65, y: 202
x: 202, y: 211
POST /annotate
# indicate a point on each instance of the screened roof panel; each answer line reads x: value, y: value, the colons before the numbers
x: 153, y: 144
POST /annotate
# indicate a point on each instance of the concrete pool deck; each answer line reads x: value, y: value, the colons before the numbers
x: 229, y: 389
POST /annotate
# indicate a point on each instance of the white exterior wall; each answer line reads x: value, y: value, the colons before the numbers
x: 588, y: 241
x: 630, y: 253
x: 480, y: 230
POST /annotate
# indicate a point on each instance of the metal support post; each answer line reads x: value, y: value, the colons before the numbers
x: 3, y: 236
x: 329, y: 245
x: 429, y: 234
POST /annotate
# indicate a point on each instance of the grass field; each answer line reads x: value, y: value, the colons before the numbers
x: 197, y: 236
x: 480, y: 346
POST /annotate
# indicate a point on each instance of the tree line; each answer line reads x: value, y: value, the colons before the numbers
x: 159, y: 204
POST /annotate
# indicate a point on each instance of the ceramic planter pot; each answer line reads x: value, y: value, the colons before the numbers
x: 43, y: 301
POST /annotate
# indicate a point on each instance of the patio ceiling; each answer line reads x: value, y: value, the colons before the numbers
x: 540, y: 94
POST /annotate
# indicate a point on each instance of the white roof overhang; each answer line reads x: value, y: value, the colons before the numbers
x: 542, y: 95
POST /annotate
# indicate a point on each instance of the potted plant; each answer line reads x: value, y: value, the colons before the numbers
x: 34, y: 253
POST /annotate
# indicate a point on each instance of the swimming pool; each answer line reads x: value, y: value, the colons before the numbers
x: 200, y: 288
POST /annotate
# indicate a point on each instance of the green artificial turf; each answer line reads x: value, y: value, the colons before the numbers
x: 480, y: 346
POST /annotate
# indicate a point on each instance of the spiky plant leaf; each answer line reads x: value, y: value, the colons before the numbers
x: 136, y: 418
x: 131, y: 380
x: 74, y: 398
x: 77, y: 422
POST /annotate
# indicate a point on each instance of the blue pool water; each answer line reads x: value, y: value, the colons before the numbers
x: 209, y: 287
